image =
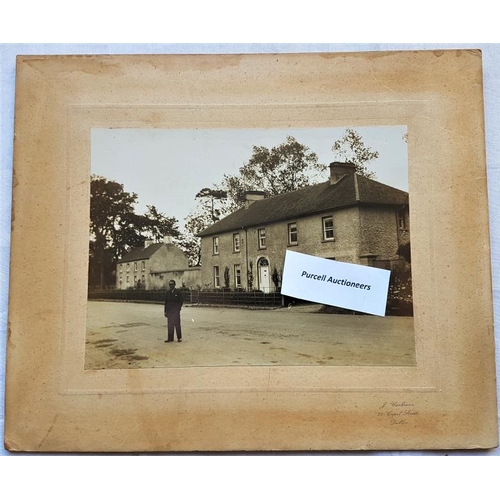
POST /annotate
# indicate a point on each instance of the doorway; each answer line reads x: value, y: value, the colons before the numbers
x: 264, y: 278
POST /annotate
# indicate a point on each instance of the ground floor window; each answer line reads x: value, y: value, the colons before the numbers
x: 237, y: 276
x: 216, y: 277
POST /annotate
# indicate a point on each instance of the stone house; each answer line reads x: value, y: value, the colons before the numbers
x: 154, y: 265
x: 349, y: 218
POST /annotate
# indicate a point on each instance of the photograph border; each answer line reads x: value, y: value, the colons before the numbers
x: 283, y: 398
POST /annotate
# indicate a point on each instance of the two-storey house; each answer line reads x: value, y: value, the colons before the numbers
x: 350, y: 218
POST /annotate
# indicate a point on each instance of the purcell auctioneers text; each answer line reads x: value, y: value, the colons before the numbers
x: 335, y: 281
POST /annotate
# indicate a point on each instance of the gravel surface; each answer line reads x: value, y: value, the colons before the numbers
x: 131, y: 335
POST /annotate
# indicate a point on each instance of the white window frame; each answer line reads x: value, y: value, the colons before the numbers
x: 290, y: 226
x: 262, y: 237
x: 215, y: 245
x: 402, y: 220
x: 143, y: 265
x: 236, y: 242
x: 237, y: 276
x: 216, y: 277
x: 325, y: 229
x: 135, y: 267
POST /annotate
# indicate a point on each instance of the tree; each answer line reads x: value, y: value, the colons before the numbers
x: 351, y: 148
x: 227, y: 277
x: 156, y: 225
x: 278, y: 170
x: 212, y: 194
x: 115, y: 228
x: 189, y: 242
x: 112, y: 226
x: 281, y: 169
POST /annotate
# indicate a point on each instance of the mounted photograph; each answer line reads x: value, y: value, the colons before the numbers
x: 189, y: 229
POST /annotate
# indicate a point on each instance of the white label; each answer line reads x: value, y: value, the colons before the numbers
x: 351, y: 286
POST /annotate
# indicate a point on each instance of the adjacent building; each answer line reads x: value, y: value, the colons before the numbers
x: 154, y: 265
x: 349, y: 218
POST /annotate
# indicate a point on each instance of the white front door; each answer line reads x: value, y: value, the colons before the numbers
x: 264, y: 283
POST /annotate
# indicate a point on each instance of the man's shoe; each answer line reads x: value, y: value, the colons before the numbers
x: 180, y: 340
x: 168, y: 341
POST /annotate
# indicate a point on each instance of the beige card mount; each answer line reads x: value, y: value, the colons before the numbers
x: 445, y: 399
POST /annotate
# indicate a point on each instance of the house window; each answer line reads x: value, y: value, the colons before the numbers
x: 292, y: 233
x: 402, y: 220
x: 135, y: 279
x: 237, y: 276
x: 216, y: 245
x: 143, y: 265
x: 128, y: 268
x: 121, y: 268
x: 236, y: 242
x: 216, y: 277
x: 143, y: 279
x: 328, y: 228
x: 262, y: 237
x: 128, y: 279
x: 135, y: 266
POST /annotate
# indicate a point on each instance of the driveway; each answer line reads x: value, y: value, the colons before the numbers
x: 131, y: 335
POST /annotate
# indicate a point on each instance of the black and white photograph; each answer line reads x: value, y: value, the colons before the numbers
x: 188, y: 234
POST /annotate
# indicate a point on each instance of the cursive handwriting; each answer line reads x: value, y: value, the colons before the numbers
x: 397, y: 412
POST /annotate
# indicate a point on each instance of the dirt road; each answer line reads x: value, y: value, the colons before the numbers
x: 130, y: 335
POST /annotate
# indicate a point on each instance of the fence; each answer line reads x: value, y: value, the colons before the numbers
x: 195, y: 297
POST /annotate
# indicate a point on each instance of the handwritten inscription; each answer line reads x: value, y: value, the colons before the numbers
x: 397, y: 412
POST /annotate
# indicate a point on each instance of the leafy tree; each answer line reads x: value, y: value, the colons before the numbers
x: 115, y: 228
x: 210, y: 195
x: 278, y: 170
x: 283, y: 168
x: 156, y: 225
x: 189, y: 242
x: 112, y: 226
x: 351, y: 148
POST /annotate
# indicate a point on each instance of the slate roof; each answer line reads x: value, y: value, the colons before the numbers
x: 349, y: 191
x: 141, y: 253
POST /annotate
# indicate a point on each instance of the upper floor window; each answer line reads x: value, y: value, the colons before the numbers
x: 128, y: 268
x: 143, y: 265
x: 236, y: 242
x: 216, y: 245
x: 328, y: 228
x: 135, y: 266
x: 292, y: 234
x: 262, y: 237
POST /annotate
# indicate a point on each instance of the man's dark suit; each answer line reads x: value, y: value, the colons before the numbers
x: 173, y: 304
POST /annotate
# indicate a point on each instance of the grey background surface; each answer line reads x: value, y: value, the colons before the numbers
x: 8, y: 53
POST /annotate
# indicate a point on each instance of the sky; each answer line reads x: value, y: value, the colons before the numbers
x: 168, y: 167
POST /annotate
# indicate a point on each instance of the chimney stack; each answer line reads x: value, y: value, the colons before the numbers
x: 147, y: 243
x: 253, y: 196
x: 340, y: 169
x: 168, y: 239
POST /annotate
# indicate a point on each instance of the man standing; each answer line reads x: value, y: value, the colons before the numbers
x: 173, y: 304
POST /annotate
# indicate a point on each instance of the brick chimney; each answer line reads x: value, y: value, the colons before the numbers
x: 253, y: 196
x: 340, y: 169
